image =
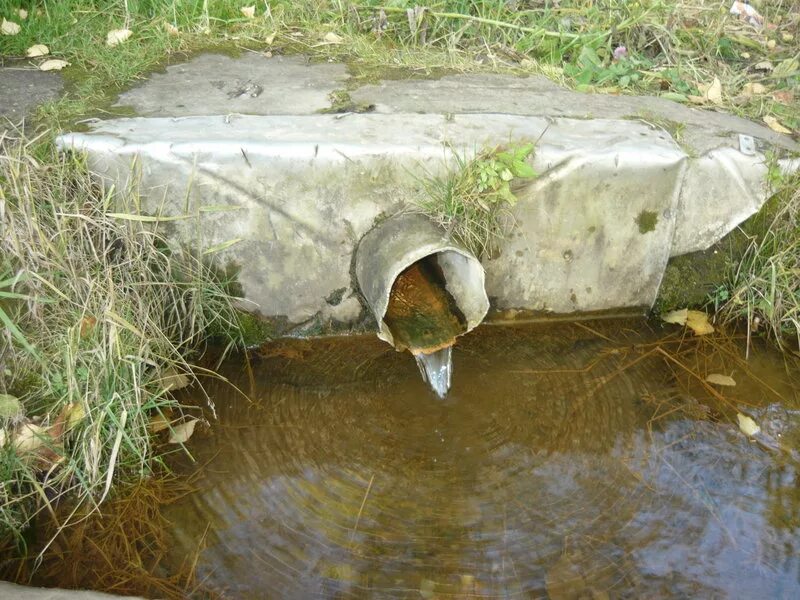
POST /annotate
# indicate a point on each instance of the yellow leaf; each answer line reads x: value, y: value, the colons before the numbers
x: 676, y: 316
x: 754, y: 89
x: 173, y: 380
x: 270, y: 38
x: 747, y: 425
x: 775, y: 125
x: 23, y: 14
x: 30, y: 438
x: 719, y: 379
x: 9, y: 28
x: 248, y: 11
x: 54, y: 64
x: 332, y: 38
x: 37, y: 50
x: 116, y: 36
x: 75, y: 414
x: 712, y: 92
x: 181, y: 433
x: 171, y: 29
x: 158, y: 422
x: 697, y: 321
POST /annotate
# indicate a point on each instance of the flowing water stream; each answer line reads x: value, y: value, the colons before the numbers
x: 565, y: 462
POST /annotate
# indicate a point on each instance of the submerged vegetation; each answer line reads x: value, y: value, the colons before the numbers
x: 101, y: 321
x: 473, y: 202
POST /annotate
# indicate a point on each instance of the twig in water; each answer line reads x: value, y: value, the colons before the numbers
x: 360, y: 510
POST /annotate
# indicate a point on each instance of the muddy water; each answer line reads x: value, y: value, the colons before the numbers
x: 562, y: 464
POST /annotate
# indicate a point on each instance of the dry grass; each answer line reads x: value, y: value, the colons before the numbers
x: 101, y: 316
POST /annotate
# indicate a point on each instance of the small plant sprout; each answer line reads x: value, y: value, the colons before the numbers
x: 473, y: 202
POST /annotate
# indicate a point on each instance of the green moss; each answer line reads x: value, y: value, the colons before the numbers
x: 646, y: 221
x: 254, y: 329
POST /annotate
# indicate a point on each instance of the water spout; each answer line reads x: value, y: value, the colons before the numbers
x: 436, y: 369
x: 424, y: 290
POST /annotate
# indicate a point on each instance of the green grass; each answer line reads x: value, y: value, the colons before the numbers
x: 103, y: 316
x: 763, y: 290
x: 473, y: 202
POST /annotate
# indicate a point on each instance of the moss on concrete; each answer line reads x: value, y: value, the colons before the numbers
x: 646, y: 221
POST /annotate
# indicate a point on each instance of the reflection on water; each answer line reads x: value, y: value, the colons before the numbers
x: 537, y: 476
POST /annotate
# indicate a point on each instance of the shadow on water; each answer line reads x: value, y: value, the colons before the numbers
x: 566, y: 462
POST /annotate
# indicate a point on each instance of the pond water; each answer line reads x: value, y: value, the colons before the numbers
x: 567, y: 461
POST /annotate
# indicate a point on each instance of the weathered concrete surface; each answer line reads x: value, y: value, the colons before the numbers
x: 299, y: 192
x: 615, y: 197
x: 700, y: 130
x: 22, y: 89
x: 213, y: 84
x: 10, y: 591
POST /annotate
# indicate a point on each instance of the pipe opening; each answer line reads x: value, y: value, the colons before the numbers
x: 423, y: 289
x: 422, y: 315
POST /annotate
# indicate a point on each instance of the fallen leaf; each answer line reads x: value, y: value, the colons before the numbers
x: 719, y: 379
x: 697, y: 321
x: 427, y: 589
x: 696, y: 99
x: 775, y: 125
x: 173, y: 380
x: 181, y: 433
x: 745, y: 55
x: 332, y: 38
x: 783, y: 96
x: 248, y: 11
x: 9, y: 28
x: 270, y: 38
x: 37, y: 50
x: 23, y: 14
x: 87, y: 325
x: 747, y: 425
x: 771, y: 44
x: 764, y: 65
x: 712, y: 92
x: 54, y: 64
x: 117, y: 36
x: 10, y: 407
x: 787, y: 37
x: 171, y: 29
x: 754, y: 89
x: 158, y: 422
x: 30, y: 438
x: 75, y: 414
x: 676, y: 316
x: 786, y: 68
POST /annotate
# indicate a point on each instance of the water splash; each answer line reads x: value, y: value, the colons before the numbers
x: 436, y: 369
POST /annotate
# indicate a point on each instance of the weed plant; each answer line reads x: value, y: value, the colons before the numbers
x: 100, y: 317
x: 473, y: 202
x: 763, y: 290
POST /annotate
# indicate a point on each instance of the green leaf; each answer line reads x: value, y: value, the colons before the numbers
x: 506, y: 175
x: 523, y: 169
x: 17, y: 334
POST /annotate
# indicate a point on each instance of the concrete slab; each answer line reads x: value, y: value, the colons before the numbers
x: 294, y: 191
x: 701, y: 130
x: 214, y: 84
x: 22, y: 89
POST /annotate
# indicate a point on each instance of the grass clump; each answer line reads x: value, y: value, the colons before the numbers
x: 472, y: 203
x: 101, y: 320
x: 764, y: 289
